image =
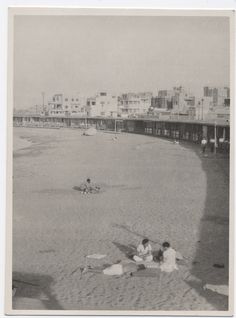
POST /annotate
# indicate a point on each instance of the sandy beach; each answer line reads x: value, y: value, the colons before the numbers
x: 151, y: 188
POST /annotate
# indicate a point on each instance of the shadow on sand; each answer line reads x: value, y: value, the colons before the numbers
x: 213, y: 244
x: 33, y: 289
x: 127, y: 250
x: 127, y: 229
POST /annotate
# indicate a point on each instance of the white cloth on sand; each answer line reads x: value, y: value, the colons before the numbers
x: 125, y: 266
x: 151, y: 264
x: 116, y: 269
x: 220, y: 289
x: 138, y: 259
x: 96, y: 256
x: 169, y: 261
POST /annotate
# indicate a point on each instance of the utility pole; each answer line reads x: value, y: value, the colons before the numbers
x: 215, y: 138
x: 43, y: 95
x: 202, y: 107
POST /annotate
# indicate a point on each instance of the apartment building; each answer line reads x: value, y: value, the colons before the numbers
x: 220, y: 95
x: 134, y: 103
x: 102, y: 104
x: 67, y: 105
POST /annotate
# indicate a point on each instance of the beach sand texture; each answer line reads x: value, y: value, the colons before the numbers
x: 152, y: 188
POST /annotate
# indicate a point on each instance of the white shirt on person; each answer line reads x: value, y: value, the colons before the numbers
x: 142, y: 251
x: 169, y: 260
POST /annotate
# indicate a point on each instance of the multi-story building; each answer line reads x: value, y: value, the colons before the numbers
x: 178, y: 101
x: 64, y: 105
x: 102, y: 104
x: 183, y: 102
x: 134, y: 103
x: 218, y: 94
x: 164, y: 100
x: 203, y: 106
x: 219, y: 114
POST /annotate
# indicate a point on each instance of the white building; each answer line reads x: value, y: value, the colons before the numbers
x: 134, y: 104
x: 67, y: 105
x: 102, y: 104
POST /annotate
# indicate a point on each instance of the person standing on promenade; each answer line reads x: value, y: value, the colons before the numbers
x: 203, y: 144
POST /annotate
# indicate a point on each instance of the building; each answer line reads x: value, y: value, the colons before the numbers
x: 204, y: 105
x: 162, y: 102
x: 219, y: 94
x: 183, y: 103
x: 219, y: 114
x: 102, y: 104
x: 132, y: 104
x: 65, y: 105
x: 34, y: 110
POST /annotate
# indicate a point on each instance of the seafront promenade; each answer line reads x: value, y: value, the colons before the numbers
x: 181, y: 129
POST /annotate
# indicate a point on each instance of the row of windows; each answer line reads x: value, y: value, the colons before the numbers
x: 62, y: 112
x: 66, y: 99
x: 72, y: 99
x: 76, y: 106
x: 91, y: 103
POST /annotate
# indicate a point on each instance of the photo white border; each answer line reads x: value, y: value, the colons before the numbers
x: 102, y: 11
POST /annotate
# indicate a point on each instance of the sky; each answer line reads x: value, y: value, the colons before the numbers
x: 87, y: 54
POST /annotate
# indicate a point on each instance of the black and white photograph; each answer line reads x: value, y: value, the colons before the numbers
x: 119, y: 130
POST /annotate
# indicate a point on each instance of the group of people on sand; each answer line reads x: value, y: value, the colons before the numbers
x: 165, y: 260
x: 143, y: 259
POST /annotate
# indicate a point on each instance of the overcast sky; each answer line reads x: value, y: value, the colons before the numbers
x: 84, y: 54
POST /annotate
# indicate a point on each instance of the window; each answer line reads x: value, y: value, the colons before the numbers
x: 93, y: 103
x: 103, y: 94
x: 72, y: 99
x: 53, y: 99
x: 77, y: 99
x: 66, y: 99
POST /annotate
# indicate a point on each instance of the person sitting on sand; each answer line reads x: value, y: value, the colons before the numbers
x: 88, y: 187
x: 168, y: 263
x: 144, y: 251
x: 117, y: 269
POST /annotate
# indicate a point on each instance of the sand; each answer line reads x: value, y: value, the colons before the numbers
x: 152, y: 188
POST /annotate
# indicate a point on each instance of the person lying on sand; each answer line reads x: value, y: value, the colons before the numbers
x: 88, y: 187
x: 117, y: 269
x: 144, y: 252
